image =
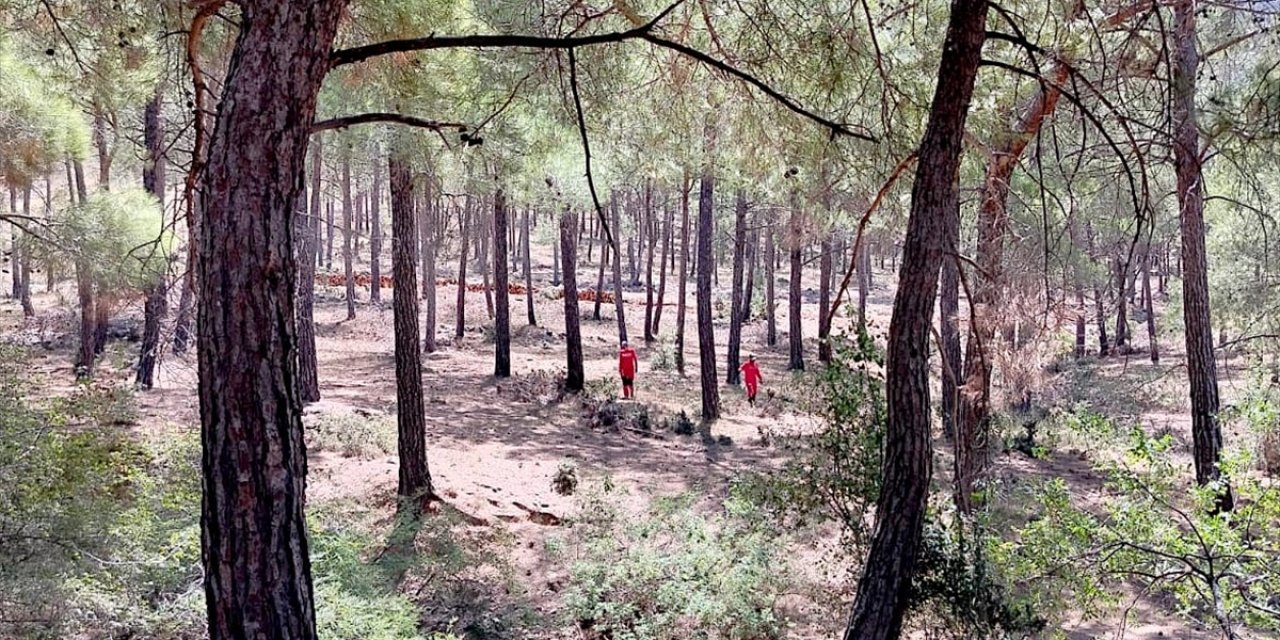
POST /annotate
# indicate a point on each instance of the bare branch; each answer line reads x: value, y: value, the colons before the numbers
x: 396, y: 118
x: 586, y: 148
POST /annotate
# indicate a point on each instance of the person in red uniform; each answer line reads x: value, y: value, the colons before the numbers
x: 751, y: 377
x: 628, y: 365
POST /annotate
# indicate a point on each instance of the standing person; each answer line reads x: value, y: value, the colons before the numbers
x: 751, y: 378
x: 628, y: 365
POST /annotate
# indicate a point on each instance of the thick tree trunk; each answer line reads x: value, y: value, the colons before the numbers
x: 770, y: 281
x: 464, y: 223
x: 348, y: 265
x: 411, y: 420
x: 734, y: 361
x: 885, y: 586
x: 1201, y: 366
x: 306, y: 228
x: 255, y: 551
x: 662, y: 266
x: 651, y: 238
x: 574, y: 376
x: 502, y: 321
x: 795, y: 318
x: 618, y: 307
x: 824, y: 298
x: 156, y: 304
x: 683, y: 272
x: 528, y: 273
x: 375, y: 239
x: 706, y: 331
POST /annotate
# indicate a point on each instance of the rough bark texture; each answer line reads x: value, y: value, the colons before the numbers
x: 348, y: 265
x: 734, y: 361
x: 706, y: 331
x: 1202, y: 374
x: 619, y: 308
x: 682, y: 273
x: 502, y: 302
x: 411, y: 417
x: 255, y: 552
x: 795, y: 283
x: 885, y: 585
x: 574, y: 376
x: 306, y: 228
x: 156, y: 305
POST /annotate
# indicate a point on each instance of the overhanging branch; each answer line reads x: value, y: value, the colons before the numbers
x: 396, y: 118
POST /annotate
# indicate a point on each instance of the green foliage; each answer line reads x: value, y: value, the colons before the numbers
x: 834, y: 474
x: 1223, y: 569
x: 352, y: 435
x: 120, y: 236
x: 38, y: 124
x: 674, y: 573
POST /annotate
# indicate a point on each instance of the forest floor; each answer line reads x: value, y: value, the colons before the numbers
x: 494, y: 447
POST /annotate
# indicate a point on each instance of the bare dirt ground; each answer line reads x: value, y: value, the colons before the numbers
x: 494, y: 456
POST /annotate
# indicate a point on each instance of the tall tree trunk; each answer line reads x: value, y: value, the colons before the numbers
x: 734, y: 361
x: 651, y: 238
x: 331, y: 231
x: 1153, y: 339
x: 824, y: 298
x: 348, y: 265
x: 502, y: 323
x: 706, y: 331
x: 528, y: 272
x: 574, y: 376
x: 103, y: 147
x: 795, y: 244
x: 1122, y: 308
x: 949, y: 332
x: 683, y: 272
x: 306, y: 228
x: 411, y: 421
x: 426, y: 218
x: 464, y: 222
x: 885, y: 586
x: 255, y: 551
x: 556, y: 279
x: 486, y: 242
x: 156, y: 304
x: 84, y: 288
x: 864, y: 285
x: 1104, y: 346
x: 618, y: 306
x: 770, y: 281
x: 22, y: 266
x: 1187, y: 160
x: 749, y: 286
x: 375, y: 239
x: 662, y: 265
x: 14, y: 250
x: 604, y: 253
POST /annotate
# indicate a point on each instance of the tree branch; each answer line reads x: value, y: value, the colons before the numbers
x: 397, y: 118
x: 586, y: 148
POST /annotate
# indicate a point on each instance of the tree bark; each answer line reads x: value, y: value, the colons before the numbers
x: 604, y: 258
x: 375, y: 239
x: 306, y: 227
x: 749, y: 286
x: 502, y: 321
x: 1104, y: 346
x: 348, y: 266
x: 662, y: 266
x: 618, y: 306
x: 1122, y: 308
x: 824, y: 298
x: 84, y: 288
x: 255, y: 551
x: 885, y: 585
x: 486, y: 245
x: 574, y: 376
x: 770, y: 280
x: 681, y: 298
x: 528, y: 273
x: 1187, y: 160
x: 464, y: 223
x: 330, y: 231
x: 650, y: 240
x: 734, y: 360
x: 156, y: 304
x: 1153, y: 339
x: 706, y: 331
x: 411, y: 421
x: 427, y: 233
x: 794, y: 309
x: 864, y: 285
x: 949, y: 332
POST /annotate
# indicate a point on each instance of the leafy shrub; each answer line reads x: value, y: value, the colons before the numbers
x: 541, y: 387
x: 672, y: 573
x: 662, y: 357
x: 353, y: 435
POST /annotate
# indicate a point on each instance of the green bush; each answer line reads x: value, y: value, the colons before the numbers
x: 673, y: 573
x: 353, y: 435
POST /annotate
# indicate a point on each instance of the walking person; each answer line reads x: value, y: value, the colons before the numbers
x: 628, y: 366
x: 751, y: 378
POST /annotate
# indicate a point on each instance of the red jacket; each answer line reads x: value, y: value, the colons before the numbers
x: 751, y: 373
x: 627, y: 362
